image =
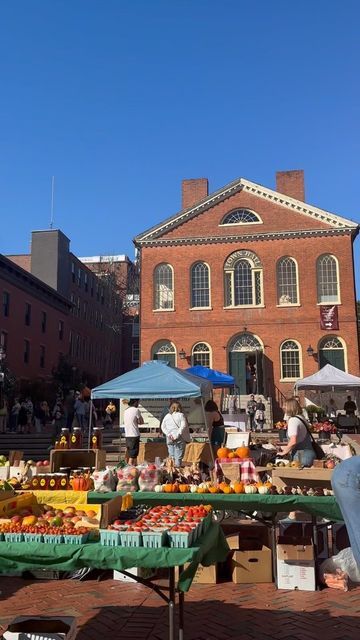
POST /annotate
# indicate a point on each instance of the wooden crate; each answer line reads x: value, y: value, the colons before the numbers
x: 310, y: 477
x: 75, y: 458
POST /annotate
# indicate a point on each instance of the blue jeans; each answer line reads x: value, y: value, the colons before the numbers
x: 306, y: 457
x: 176, y: 451
x: 346, y: 486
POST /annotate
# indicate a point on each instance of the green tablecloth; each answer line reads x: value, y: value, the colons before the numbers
x: 322, y: 506
x: 24, y: 556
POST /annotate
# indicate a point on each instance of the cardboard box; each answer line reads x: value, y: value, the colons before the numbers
x: 203, y: 575
x: 15, y: 457
x: 295, y: 564
x: 292, y: 477
x: 140, y: 572
x: 19, y: 501
x: 252, y: 566
x: 340, y: 538
x: 299, y: 530
x: 110, y: 511
x: 76, y: 458
x: 249, y: 530
x: 41, y: 628
x: 4, y: 473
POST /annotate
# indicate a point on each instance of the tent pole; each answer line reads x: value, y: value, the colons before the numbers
x: 207, y: 430
x: 90, y: 422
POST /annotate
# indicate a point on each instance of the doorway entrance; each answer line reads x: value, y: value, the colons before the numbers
x: 246, y: 364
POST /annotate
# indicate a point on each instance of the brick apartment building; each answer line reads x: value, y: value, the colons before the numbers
x: 34, y: 322
x: 91, y: 306
x: 250, y: 276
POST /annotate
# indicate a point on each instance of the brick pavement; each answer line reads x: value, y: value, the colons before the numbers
x: 112, y: 609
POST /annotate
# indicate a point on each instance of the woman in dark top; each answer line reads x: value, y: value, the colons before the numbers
x: 215, y: 424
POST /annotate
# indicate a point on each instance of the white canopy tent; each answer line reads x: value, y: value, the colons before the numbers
x: 328, y: 381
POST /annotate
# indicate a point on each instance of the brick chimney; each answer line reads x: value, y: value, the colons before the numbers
x: 291, y: 183
x: 193, y: 191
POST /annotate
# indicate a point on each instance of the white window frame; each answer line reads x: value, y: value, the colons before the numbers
x: 288, y: 304
x: 208, y: 352
x: 191, y: 283
x: 321, y: 343
x: 155, y: 291
x: 163, y: 343
x: 299, y: 351
x: 230, y: 273
x: 240, y: 223
x: 328, y: 302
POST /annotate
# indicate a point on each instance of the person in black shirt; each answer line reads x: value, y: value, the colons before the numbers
x: 349, y: 406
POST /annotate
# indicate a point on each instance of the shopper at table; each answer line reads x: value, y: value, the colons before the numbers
x: 299, y: 446
x: 176, y: 429
x: 132, y: 420
x: 215, y: 424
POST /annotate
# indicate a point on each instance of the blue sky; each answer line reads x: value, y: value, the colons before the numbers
x: 122, y: 100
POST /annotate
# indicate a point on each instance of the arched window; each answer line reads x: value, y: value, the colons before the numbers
x: 200, y: 285
x: 164, y: 350
x: 331, y: 351
x: 243, y: 280
x: 163, y: 287
x: 290, y: 360
x: 287, y: 284
x: 245, y: 342
x: 200, y: 354
x: 241, y: 216
x: 327, y: 279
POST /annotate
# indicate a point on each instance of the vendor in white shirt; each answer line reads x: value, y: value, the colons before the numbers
x: 132, y: 420
x: 176, y: 429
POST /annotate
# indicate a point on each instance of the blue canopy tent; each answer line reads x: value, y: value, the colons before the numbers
x: 219, y: 380
x: 153, y: 380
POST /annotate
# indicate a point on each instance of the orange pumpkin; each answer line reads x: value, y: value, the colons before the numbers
x: 223, y: 452
x: 239, y: 487
x: 184, y: 488
x: 201, y: 490
x: 243, y: 452
x: 232, y: 454
x: 223, y: 485
x: 213, y: 490
x: 168, y: 488
x: 228, y: 489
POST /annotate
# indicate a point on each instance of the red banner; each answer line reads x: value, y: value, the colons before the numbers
x: 329, y: 317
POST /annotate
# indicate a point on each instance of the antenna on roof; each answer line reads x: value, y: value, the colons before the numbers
x: 52, y: 202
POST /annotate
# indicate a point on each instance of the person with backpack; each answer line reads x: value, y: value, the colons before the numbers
x: 300, y: 444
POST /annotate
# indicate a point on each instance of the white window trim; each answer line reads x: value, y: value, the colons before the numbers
x: 288, y: 304
x: 209, y: 271
x: 240, y: 224
x: 343, y: 342
x: 208, y: 346
x: 338, y: 302
x: 164, y: 310
x: 200, y: 308
x: 254, y: 269
x: 282, y: 379
x: 173, y: 286
x: 328, y: 304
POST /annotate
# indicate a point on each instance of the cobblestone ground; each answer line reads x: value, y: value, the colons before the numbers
x: 112, y: 609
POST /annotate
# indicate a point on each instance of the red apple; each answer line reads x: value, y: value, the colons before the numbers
x: 45, y: 463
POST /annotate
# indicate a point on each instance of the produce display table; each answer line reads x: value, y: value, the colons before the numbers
x: 211, y: 548
x: 194, y: 452
x: 310, y: 477
x: 318, y: 506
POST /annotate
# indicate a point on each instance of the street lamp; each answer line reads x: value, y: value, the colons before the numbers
x: 182, y: 354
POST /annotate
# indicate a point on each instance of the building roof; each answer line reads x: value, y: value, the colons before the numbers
x: 334, y: 221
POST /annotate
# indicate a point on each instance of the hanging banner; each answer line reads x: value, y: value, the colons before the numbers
x: 329, y: 317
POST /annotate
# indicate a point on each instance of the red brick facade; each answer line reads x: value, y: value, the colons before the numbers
x: 287, y: 228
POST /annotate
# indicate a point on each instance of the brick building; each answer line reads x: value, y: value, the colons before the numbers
x: 93, y: 324
x: 248, y: 278
x: 34, y: 322
x: 123, y: 275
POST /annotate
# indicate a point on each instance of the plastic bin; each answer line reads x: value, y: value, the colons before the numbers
x: 72, y: 539
x: 154, y: 539
x: 14, y: 537
x: 131, y: 538
x: 109, y: 538
x: 180, y: 539
x: 53, y: 538
x: 33, y: 537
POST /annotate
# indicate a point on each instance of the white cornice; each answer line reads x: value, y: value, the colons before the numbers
x: 258, y: 237
x: 335, y: 221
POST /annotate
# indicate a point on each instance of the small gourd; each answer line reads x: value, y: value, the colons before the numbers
x: 239, y: 487
x: 223, y: 452
x: 263, y: 489
x: 250, y: 488
x: 158, y: 488
x: 243, y: 452
x: 184, y: 488
x: 193, y: 488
